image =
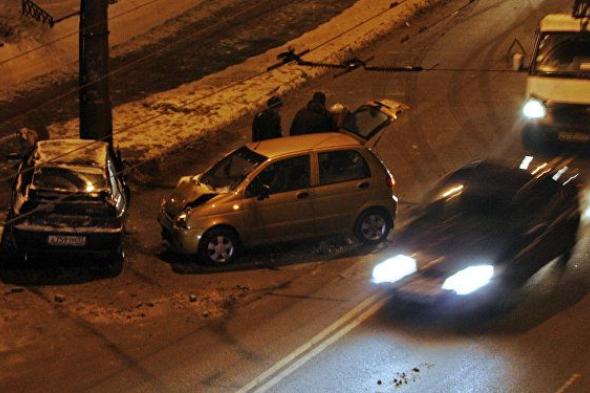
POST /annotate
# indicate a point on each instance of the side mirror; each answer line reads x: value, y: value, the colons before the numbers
x: 518, y: 62
x: 264, y: 192
x: 14, y: 158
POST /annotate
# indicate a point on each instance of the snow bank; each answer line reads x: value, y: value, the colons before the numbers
x: 164, y: 122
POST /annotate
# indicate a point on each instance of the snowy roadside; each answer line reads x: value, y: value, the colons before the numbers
x: 33, y: 50
x: 163, y: 123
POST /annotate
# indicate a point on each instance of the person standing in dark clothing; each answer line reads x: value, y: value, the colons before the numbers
x: 314, y: 117
x: 267, y: 124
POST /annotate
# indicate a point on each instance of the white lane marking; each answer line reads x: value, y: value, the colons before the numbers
x: 568, y: 383
x: 317, y: 344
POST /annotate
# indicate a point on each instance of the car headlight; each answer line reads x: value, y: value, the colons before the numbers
x: 394, y: 269
x: 534, y: 109
x: 182, y: 220
x: 469, y: 279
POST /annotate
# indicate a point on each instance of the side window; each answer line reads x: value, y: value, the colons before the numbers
x: 343, y: 165
x: 282, y: 176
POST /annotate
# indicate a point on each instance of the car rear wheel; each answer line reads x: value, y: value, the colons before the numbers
x: 218, y: 246
x: 8, y: 253
x: 372, y: 226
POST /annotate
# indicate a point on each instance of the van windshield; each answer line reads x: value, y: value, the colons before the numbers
x: 563, y: 54
x: 228, y: 173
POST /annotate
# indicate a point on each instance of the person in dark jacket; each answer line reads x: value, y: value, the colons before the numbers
x: 267, y: 124
x: 314, y: 117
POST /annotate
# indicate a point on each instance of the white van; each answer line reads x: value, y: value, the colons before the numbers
x: 557, y: 106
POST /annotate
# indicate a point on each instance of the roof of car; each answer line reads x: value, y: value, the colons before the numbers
x: 310, y: 142
x: 561, y: 22
x: 74, y: 152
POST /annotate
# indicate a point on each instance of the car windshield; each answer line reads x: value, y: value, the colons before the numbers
x: 228, y: 173
x: 62, y: 179
x: 564, y: 55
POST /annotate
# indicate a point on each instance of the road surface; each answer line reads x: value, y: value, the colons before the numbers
x: 305, y: 317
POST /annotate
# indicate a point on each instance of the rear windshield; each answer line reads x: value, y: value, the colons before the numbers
x: 62, y: 179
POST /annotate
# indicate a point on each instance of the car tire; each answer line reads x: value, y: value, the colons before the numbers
x: 115, y: 263
x: 9, y: 255
x: 218, y: 246
x: 537, y: 140
x: 373, y: 226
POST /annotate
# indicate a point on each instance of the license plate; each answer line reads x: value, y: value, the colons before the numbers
x: 66, y: 241
x: 573, y: 136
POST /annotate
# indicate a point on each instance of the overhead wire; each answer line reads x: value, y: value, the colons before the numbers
x: 184, y: 105
x: 138, y: 164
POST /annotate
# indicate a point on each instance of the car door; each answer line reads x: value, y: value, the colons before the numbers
x: 280, y: 205
x: 345, y: 184
x: 371, y: 118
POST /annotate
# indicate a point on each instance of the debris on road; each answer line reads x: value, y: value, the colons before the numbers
x: 14, y: 290
x: 59, y: 298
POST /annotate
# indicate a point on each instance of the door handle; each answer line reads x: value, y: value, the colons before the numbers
x: 363, y: 186
x: 302, y: 195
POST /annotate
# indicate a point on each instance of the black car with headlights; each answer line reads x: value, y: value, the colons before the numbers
x: 70, y: 196
x: 485, y: 224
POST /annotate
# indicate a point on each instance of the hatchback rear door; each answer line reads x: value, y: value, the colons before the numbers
x: 371, y: 118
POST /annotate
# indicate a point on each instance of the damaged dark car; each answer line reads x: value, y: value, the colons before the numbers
x: 70, y: 197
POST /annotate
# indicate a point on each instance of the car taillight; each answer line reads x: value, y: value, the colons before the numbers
x: 390, y: 180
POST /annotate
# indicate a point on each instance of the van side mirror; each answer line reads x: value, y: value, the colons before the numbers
x: 14, y: 158
x: 515, y: 56
x: 518, y: 63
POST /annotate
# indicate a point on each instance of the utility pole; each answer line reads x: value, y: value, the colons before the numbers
x: 96, y: 120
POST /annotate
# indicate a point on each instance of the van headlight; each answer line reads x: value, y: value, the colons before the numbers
x: 534, y: 109
x: 182, y: 220
x: 469, y: 279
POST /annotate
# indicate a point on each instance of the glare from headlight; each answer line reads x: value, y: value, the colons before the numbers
x: 394, y: 269
x: 469, y: 279
x: 534, y: 109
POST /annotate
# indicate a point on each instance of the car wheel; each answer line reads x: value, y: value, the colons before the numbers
x: 9, y: 253
x: 218, y: 246
x: 537, y: 140
x: 115, y: 262
x: 372, y: 226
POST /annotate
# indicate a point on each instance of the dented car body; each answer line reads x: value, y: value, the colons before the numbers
x: 283, y: 189
x: 69, y: 197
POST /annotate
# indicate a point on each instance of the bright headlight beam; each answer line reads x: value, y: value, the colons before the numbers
x: 469, y: 279
x: 394, y: 269
x: 534, y: 109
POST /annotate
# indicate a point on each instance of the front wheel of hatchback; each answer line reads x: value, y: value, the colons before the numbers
x: 372, y: 226
x: 218, y: 246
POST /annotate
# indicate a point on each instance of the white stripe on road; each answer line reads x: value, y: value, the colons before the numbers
x: 317, y: 344
x: 568, y: 383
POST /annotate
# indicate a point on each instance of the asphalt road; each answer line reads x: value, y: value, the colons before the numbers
x: 304, y: 317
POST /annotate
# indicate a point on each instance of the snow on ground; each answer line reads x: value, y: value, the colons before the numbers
x: 32, y: 50
x: 164, y: 122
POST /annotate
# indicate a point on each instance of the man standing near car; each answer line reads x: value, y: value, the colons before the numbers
x: 267, y: 124
x: 314, y: 117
